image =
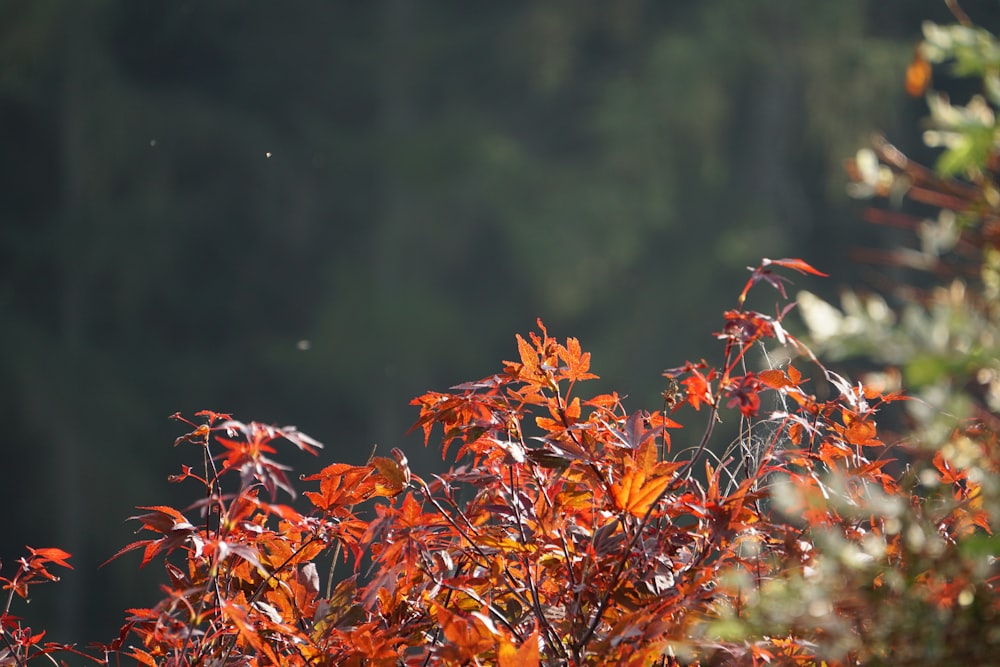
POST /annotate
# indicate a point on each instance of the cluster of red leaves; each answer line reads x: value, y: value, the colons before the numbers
x: 566, y: 530
x: 19, y: 643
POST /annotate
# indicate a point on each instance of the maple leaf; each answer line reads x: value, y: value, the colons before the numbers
x: 236, y: 613
x: 778, y: 379
x: 860, y: 430
x: 393, y: 473
x: 947, y: 472
x: 605, y: 401
x: 247, y: 455
x: 530, y: 368
x: 467, y: 637
x: 341, y: 484
x: 699, y: 387
x: 744, y: 391
x: 745, y: 327
x: 765, y: 274
x: 577, y: 361
x: 167, y: 521
x: 40, y: 557
x: 33, y: 570
x: 643, y: 480
x: 526, y: 655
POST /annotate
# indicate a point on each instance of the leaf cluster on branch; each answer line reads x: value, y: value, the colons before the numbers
x: 568, y: 530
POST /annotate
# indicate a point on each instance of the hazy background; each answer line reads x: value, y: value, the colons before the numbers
x: 308, y: 212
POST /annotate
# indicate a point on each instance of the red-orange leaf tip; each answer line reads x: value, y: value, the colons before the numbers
x: 794, y: 264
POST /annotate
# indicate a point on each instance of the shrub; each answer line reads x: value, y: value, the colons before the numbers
x: 567, y: 530
x: 570, y: 531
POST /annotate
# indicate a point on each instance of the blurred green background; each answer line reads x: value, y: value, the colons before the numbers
x: 308, y: 212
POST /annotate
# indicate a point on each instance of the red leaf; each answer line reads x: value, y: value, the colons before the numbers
x: 213, y: 417
x: 699, y: 388
x: 132, y: 546
x: 763, y: 273
x: 745, y: 327
x: 162, y: 519
x: 51, y: 555
x: 743, y: 392
x: 341, y: 484
x: 167, y: 521
x: 795, y: 264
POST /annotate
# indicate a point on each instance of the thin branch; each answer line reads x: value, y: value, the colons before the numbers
x: 958, y: 13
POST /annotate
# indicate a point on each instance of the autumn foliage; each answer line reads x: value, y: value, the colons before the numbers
x: 566, y: 529
x: 569, y: 530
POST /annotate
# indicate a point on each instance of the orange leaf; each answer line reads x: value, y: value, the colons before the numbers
x: 141, y: 656
x: 468, y: 635
x: 395, y: 476
x: 775, y: 379
x: 607, y: 401
x: 949, y: 474
x: 778, y: 379
x: 577, y: 361
x: 527, y: 655
x: 341, y: 484
x: 859, y: 431
x: 795, y: 264
x: 237, y: 614
x: 573, y: 411
x: 530, y: 369
x: 918, y: 75
x: 642, y: 482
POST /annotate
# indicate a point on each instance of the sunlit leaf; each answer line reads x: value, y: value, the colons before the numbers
x: 642, y: 481
x: 525, y: 655
x: 918, y: 75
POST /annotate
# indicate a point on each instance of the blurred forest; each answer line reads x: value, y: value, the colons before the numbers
x: 309, y: 212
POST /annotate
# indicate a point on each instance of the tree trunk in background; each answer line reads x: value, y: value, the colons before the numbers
x: 395, y: 122
x: 775, y: 124
x: 53, y: 396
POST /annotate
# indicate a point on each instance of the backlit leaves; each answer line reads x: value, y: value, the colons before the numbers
x: 525, y: 655
x: 765, y: 273
x: 918, y: 75
x: 567, y: 529
x: 643, y: 481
